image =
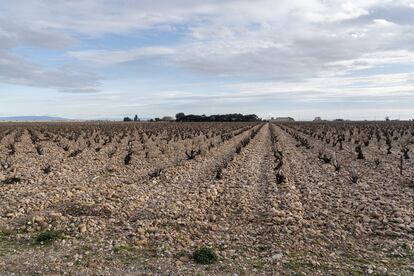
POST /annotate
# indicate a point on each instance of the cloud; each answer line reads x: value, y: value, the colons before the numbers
x: 389, y: 87
x: 13, y: 34
x: 19, y: 70
x: 292, y: 49
x: 100, y: 17
x: 261, y: 48
x: 15, y: 70
x: 107, y: 57
x: 272, y: 39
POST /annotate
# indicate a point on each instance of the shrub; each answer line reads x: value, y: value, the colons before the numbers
x: 75, y: 153
x: 389, y: 144
x: 47, y: 169
x: 358, y: 150
x: 11, y: 180
x: 336, y: 165
x: 324, y: 157
x: 280, y: 177
x: 128, y: 158
x: 47, y: 237
x: 405, y: 151
x: 156, y: 173
x: 205, y: 255
x: 192, y: 153
x: 40, y: 150
x: 218, y: 174
x: 354, y: 175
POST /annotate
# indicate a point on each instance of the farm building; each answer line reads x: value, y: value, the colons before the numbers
x: 283, y: 119
x: 167, y: 118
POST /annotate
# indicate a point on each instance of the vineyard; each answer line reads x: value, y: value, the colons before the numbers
x: 116, y: 198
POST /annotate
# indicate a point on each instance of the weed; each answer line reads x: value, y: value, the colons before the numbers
x: 124, y: 248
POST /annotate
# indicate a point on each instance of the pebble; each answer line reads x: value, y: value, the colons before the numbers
x: 82, y: 228
x: 277, y: 257
x: 382, y: 270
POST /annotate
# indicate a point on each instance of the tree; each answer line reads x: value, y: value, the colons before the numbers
x: 136, y: 119
x: 127, y: 119
x: 179, y: 116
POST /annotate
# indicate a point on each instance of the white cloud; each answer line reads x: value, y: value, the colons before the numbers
x: 13, y: 33
x: 391, y: 86
x: 336, y: 11
x: 98, y: 17
x: 107, y: 57
x: 18, y: 70
x: 15, y: 70
x: 282, y: 39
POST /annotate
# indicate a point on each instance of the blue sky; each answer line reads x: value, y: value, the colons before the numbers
x: 108, y: 59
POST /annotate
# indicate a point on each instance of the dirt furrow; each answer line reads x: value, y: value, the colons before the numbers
x: 241, y: 212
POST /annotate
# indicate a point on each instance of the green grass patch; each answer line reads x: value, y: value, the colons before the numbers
x: 205, y: 255
x: 258, y: 264
x: 129, y: 254
x: 298, y: 265
x: 7, y: 245
x: 47, y: 237
x: 352, y: 270
x: 84, y: 248
x: 125, y: 248
x: 5, y: 233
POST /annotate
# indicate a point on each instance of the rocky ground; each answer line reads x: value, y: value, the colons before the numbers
x: 101, y: 217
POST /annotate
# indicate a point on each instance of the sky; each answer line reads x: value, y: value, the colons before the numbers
x: 90, y: 59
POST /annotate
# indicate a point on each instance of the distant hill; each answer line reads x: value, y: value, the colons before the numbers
x: 32, y: 118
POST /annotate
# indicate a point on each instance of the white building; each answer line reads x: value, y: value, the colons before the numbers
x: 283, y: 119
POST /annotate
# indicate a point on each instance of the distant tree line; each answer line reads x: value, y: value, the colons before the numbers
x: 181, y: 117
x: 136, y: 119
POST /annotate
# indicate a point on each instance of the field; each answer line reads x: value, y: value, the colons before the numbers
x: 136, y: 198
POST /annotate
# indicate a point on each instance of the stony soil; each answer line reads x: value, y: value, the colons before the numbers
x: 117, y: 219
